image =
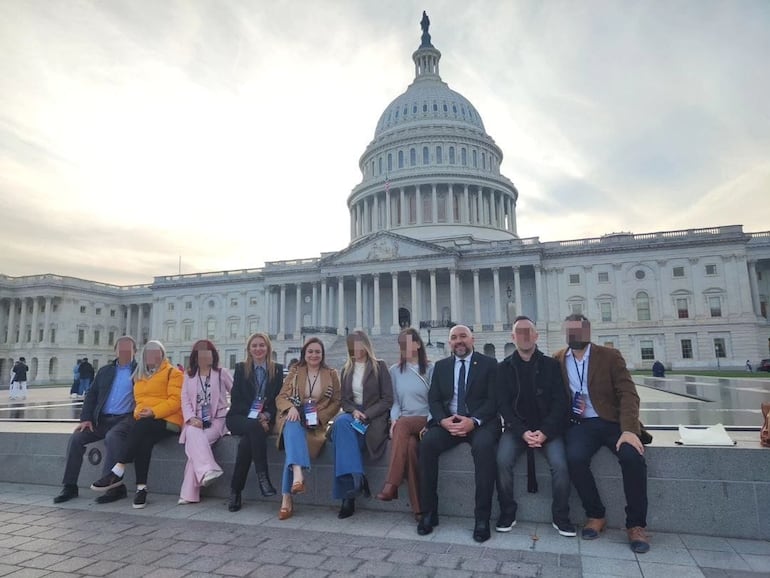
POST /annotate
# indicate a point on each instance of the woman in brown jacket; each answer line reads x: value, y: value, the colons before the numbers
x: 308, y: 400
x: 367, y: 395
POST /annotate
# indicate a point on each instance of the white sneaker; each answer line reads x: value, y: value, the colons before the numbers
x: 210, y: 477
x: 73, y: 396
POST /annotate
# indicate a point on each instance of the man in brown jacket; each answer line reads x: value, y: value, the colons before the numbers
x: 605, y: 412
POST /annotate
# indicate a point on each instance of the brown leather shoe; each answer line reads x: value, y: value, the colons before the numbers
x: 285, y: 513
x: 638, y: 540
x: 592, y: 528
x: 389, y: 492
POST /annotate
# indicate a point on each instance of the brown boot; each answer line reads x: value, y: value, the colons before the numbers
x: 592, y: 528
x: 638, y: 540
x: 389, y: 492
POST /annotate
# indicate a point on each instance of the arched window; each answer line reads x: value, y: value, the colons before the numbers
x: 439, y: 156
x: 483, y: 160
x: 425, y: 155
x: 475, y: 159
x: 412, y: 157
x: 390, y: 162
x: 379, y: 162
x: 463, y: 157
x: 400, y: 159
x: 642, y: 306
x: 451, y: 155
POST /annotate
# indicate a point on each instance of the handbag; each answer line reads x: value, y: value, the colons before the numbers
x: 764, y: 433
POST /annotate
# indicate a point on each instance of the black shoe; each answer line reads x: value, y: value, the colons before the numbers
x: 68, y: 492
x: 265, y: 486
x: 481, y: 531
x: 347, y: 509
x: 113, y: 495
x: 140, y: 499
x: 505, y: 523
x: 565, y: 528
x: 111, y: 480
x: 234, y: 503
x: 365, y: 488
x: 426, y: 524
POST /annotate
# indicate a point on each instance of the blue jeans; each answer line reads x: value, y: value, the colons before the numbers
x: 348, y: 459
x: 297, y: 454
x: 85, y: 384
x: 509, y: 450
x: 583, y: 440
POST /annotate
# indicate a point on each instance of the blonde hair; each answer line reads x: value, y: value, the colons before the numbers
x: 142, y: 371
x: 248, y: 364
x: 362, y: 338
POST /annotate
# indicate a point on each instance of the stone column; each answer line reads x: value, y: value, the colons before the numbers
x: 340, y: 305
x: 139, y: 318
x: 453, y: 296
x: 394, y: 329
x: 128, y: 323
x: 11, y: 322
x: 539, y: 292
x: 35, y: 311
x: 433, y: 298
x: 367, y: 227
x: 402, y: 207
x: 387, y: 209
x: 23, y: 321
x: 476, y: 301
x: 754, y: 288
x: 359, y: 312
x: 517, y: 290
x: 376, y: 329
x: 353, y: 222
x: 496, y: 282
x: 282, y: 312
x: 414, y: 298
x: 621, y: 302
x: 47, y: 320
x: 434, y: 205
x: 298, y: 310
x: 466, y: 216
x: 418, y: 203
x: 323, y: 302
x: 376, y: 213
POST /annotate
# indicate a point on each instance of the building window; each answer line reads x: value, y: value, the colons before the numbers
x: 576, y: 308
x: 233, y: 303
x: 252, y: 300
x: 412, y: 157
x: 463, y: 157
x: 170, y: 333
x: 425, y: 155
x: 451, y: 155
x: 682, y: 309
x: 170, y: 306
x: 97, y: 335
x: 648, y: 351
x: 188, y: 305
x: 606, y: 311
x: 82, y: 308
x: 686, y: 348
x: 711, y: 269
x: 98, y: 310
x: 678, y: 271
x: 400, y: 159
x: 211, y: 329
x: 81, y: 336
x: 41, y: 335
x: 252, y: 326
x: 111, y: 338
x: 187, y: 332
x: 439, y: 156
x: 474, y: 155
x: 639, y: 274
x: 604, y: 277
x: 390, y: 162
x: 719, y: 347
x: 232, y: 360
x: 234, y: 330
x: 642, y: 306
x: 211, y: 304
x: 715, y: 306
x: 574, y: 279
x: 53, y: 335
x: 379, y: 165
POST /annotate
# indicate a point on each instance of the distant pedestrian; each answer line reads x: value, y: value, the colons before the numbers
x: 18, y: 389
x: 748, y: 366
x: 658, y: 370
x: 75, y: 380
x: 86, y: 371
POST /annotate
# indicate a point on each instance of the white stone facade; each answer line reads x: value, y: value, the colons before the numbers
x: 433, y: 242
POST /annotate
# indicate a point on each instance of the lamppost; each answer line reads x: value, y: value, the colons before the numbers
x: 509, y: 293
x: 429, y: 343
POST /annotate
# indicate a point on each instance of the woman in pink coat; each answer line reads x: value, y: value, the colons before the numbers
x: 204, y: 407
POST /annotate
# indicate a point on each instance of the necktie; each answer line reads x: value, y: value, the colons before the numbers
x: 461, y: 389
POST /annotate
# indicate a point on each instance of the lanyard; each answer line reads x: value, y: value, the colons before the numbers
x: 312, y: 385
x: 205, y: 389
x: 581, y: 376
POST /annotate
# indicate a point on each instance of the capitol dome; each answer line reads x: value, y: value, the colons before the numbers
x: 431, y: 171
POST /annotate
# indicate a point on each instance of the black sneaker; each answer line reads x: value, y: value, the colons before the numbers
x: 140, y: 499
x: 565, y: 528
x: 112, y: 495
x: 111, y: 480
x: 505, y: 524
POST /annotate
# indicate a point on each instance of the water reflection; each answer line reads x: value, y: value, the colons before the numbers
x: 43, y: 411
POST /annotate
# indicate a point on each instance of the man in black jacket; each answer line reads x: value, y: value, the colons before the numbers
x: 534, y: 407
x: 86, y: 372
x: 18, y: 389
x: 107, y: 415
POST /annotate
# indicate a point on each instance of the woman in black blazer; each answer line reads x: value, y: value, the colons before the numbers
x: 252, y: 413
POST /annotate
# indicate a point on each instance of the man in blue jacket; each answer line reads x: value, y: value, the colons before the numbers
x: 107, y: 415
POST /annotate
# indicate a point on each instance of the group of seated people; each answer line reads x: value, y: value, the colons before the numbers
x: 527, y: 402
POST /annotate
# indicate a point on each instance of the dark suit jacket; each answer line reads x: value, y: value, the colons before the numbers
x: 378, y: 399
x: 480, y: 387
x: 99, y: 391
x: 613, y: 392
x: 245, y: 390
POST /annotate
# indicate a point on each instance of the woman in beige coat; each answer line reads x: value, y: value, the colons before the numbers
x: 307, y: 402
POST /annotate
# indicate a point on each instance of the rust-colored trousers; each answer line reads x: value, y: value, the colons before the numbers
x: 403, y: 456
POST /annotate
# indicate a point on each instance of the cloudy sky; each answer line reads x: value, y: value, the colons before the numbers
x: 229, y: 132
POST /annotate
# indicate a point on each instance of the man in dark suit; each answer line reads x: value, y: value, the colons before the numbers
x: 605, y: 412
x: 463, y: 408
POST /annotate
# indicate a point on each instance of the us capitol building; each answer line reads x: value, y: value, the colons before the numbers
x: 433, y: 242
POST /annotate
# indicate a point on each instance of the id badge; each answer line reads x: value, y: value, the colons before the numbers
x: 359, y: 426
x: 311, y: 413
x: 206, y: 413
x: 256, y: 408
x: 578, y: 404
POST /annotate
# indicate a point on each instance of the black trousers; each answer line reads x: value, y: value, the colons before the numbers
x: 143, y: 437
x: 483, y: 442
x: 114, y: 430
x: 252, y: 447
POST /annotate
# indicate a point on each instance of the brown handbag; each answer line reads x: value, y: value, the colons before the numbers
x: 764, y: 433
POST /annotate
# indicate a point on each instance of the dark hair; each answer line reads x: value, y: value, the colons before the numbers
x: 422, y: 356
x: 309, y: 341
x: 576, y: 317
x: 522, y: 318
x: 202, y: 344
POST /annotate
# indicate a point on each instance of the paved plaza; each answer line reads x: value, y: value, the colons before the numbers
x: 81, y: 538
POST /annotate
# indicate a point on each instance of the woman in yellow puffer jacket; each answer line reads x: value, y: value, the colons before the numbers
x: 158, y: 414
